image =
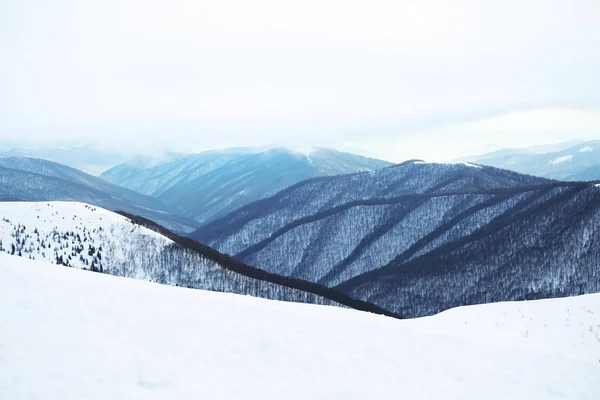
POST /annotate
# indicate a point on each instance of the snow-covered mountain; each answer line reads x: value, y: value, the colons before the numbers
x: 30, y: 179
x: 575, y: 163
x: 208, y: 185
x: 87, y: 237
x: 92, y: 159
x: 66, y: 334
x: 517, y: 151
x: 420, y: 238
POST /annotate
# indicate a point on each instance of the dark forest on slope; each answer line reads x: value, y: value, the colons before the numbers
x: 420, y: 238
x: 85, y: 237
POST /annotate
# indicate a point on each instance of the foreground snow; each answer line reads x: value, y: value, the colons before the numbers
x: 71, y: 334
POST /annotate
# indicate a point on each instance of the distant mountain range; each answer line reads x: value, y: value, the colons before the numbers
x: 567, y: 161
x: 208, y: 185
x: 29, y: 179
x: 418, y: 238
x: 88, y: 158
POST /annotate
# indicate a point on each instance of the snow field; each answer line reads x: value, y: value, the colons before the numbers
x: 71, y: 334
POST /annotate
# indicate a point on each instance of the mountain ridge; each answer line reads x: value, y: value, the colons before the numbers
x: 208, y: 185
x: 30, y: 179
x: 91, y: 159
x: 573, y: 162
x: 394, y: 181
x: 87, y: 237
x: 341, y: 232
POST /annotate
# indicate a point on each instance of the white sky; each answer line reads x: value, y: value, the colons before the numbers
x: 396, y: 79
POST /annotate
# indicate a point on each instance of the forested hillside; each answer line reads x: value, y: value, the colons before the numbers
x: 86, y: 237
x: 422, y: 238
x: 324, y: 195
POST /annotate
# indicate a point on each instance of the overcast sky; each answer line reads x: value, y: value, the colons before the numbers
x: 433, y: 79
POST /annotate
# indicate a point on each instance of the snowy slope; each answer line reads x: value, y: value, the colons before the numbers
x: 91, y: 238
x: 67, y: 334
x: 79, y: 234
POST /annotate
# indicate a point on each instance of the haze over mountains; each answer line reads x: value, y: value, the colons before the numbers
x: 29, y: 179
x: 208, y: 185
x: 538, y: 149
x: 567, y: 161
x: 88, y: 158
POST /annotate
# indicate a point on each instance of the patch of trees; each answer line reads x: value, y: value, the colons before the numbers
x: 227, y: 263
x: 410, y: 238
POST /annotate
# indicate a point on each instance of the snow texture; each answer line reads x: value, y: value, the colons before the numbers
x: 69, y: 334
x: 562, y: 160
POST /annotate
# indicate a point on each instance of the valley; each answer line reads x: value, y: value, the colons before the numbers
x: 316, y: 200
x: 408, y: 240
